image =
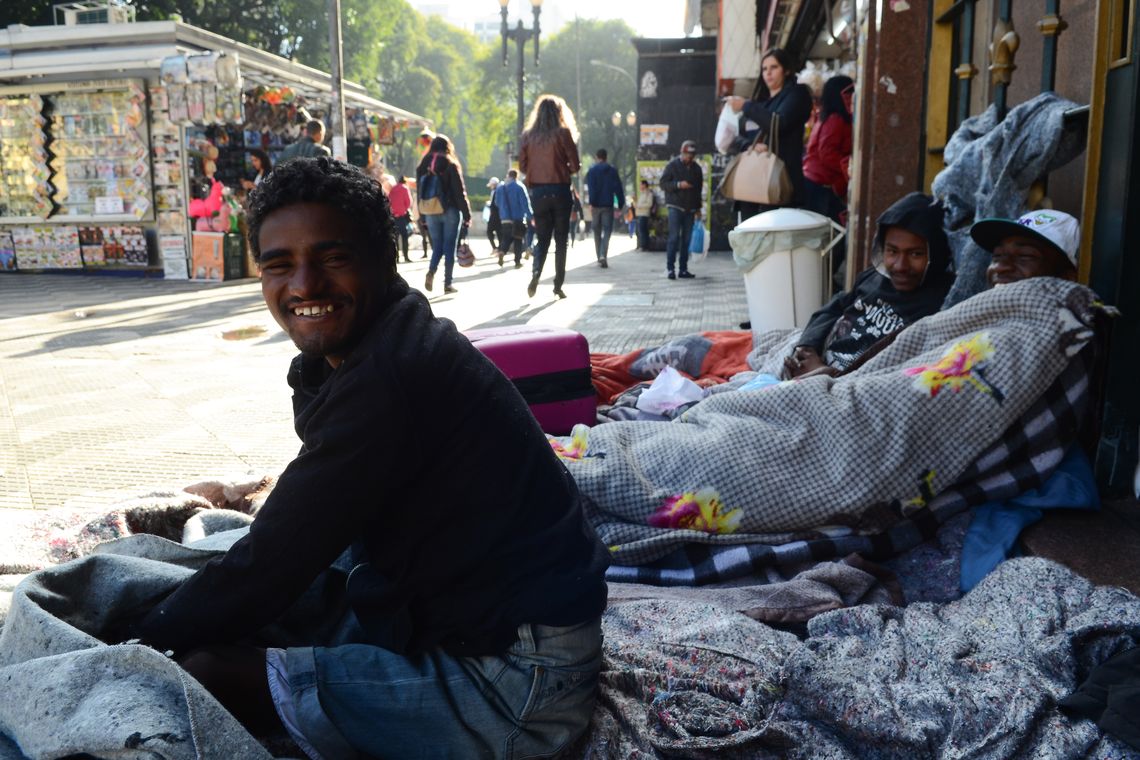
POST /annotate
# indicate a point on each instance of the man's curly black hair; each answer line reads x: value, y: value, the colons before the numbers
x: 334, y: 183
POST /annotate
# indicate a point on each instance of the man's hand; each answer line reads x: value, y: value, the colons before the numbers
x: 684, y: 184
x: 804, y: 360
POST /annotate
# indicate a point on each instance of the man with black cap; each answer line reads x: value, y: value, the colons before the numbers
x: 1043, y: 243
x: 681, y: 181
x: 909, y: 280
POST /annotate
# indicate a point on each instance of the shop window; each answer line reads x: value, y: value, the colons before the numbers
x: 1121, y: 19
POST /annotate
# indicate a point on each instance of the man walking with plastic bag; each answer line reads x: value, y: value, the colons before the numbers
x: 681, y: 181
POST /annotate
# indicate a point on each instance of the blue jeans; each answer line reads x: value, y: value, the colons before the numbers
x: 643, y: 233
x: 680, y: 233
x: 359, y: 700
x: 444, y: 231
x: 603, y: 228
x: 551, y: 204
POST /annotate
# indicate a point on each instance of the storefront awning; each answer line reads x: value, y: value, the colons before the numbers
x: 116, y: 50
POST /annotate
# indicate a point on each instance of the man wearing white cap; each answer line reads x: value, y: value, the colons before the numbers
x: 494, y: 223
x: 1043, y: 243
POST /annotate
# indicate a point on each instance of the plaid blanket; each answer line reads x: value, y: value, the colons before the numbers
x: 867, y: 462
x: 1023, y: 458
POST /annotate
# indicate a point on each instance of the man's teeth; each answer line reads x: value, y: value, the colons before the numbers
x: 314, y: 311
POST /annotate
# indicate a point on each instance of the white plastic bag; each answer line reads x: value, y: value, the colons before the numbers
x: 669, y: 390
x: 727, y: 127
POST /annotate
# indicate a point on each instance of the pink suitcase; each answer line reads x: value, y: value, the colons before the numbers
x: 551, y: 368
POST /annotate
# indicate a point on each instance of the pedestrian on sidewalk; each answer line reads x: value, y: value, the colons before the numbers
x: 515, y: 212
x: 494, y: 221
x: 431, y: 633
x: 441, y: 167
x: 400, y: 198
x: 645, y: 207
x: 681, y: 181
x: 603, y: 186
x: 309, y: 144
x: 548, y: 156
x: 575, y: 215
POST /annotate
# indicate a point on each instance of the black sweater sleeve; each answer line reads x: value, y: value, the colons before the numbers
x: 794, y: 109
x: 820, y: 324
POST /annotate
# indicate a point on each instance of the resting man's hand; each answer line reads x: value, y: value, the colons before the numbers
x: 802, y: 361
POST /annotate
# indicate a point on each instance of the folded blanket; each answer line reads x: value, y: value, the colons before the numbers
x: 857, y: 454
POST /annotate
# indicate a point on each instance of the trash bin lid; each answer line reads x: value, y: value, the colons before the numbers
x: 783, y: 220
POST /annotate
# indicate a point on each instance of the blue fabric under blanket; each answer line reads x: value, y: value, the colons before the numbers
x: 997, y: 524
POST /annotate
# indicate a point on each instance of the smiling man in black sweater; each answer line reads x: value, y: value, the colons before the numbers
x: 473, y: 594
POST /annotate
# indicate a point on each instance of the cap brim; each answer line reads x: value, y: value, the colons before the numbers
x: 988, y: 233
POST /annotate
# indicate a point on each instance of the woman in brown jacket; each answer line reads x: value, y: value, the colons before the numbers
x: 548, y: 157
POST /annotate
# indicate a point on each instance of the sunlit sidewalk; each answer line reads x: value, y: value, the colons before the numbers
x: 110, y: 385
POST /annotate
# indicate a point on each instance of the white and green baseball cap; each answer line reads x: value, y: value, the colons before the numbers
x: 1056, y: 228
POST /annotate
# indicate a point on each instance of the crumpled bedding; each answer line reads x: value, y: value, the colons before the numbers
x: 833, y: 456
x: 683, y: 674
x: 979, y: 677
x: 708, y: 357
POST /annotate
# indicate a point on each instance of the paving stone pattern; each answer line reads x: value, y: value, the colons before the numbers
x: 112, y: 383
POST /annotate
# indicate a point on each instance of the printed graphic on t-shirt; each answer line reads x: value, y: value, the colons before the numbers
x: 860, y: 327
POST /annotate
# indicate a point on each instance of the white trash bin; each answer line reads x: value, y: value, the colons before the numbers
x: 781, y: 254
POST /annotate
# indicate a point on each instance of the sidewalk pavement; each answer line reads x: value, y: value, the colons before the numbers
x: 112, y: 385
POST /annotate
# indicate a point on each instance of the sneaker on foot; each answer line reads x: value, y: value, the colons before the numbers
x: 604, y: 264
x: 558, y: 292
x: 428, y: 281
x: 449, y: 289
x: 686, y: 275
x: 530, y: 289
x: 518, y: 265
x: 670, y: 275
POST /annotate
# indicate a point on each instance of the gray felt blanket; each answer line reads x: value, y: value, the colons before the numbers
x: 683, y: 675
x: 977, y: 678
x: 828, y: 456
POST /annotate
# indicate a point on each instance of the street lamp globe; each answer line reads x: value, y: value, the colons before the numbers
x: 535, y: 3
x: 616, y: 118
x: 631, y: 118
x: 504, y: 3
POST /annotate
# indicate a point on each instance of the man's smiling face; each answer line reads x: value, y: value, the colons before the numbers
x: 319, y: 280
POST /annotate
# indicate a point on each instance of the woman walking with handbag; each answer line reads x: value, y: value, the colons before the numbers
x: 786, y: 103
x: 548, y: 157
x: 443, y: 203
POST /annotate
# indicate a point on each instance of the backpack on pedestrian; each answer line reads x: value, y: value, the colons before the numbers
x: 429, y: 190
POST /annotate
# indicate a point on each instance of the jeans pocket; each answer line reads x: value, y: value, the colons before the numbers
x: 557, y: 711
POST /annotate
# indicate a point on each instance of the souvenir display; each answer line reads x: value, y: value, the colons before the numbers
x: 7, y: 252
x: 49, y: 247
x: 166, y: 157
x: 25, y: 173
x: 100, y: 153
x: 172, y: 250
x: 113, y: 246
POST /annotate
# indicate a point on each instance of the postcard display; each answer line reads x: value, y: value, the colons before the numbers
x: 78, y: 155
x: 201, y: 89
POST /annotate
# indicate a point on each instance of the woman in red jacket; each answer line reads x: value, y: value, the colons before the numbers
x: 400, y: 198
x: 829, y: 151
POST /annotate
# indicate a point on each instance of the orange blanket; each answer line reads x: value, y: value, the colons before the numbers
x: 709, y: 358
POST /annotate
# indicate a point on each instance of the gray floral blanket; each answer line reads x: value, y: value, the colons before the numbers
x: 980, y: 677
x: 829, y: 457
x: 685, y: 673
